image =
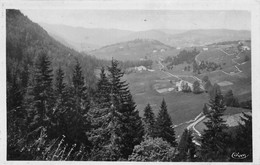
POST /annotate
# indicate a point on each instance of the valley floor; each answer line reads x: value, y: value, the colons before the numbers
x: 184, y: 108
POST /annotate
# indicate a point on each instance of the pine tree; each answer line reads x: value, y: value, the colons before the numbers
x: 16, y: 115
x: 42, y: 92
x: 230, y: 99
x: 80, y: 91
x: 78, y: 114
x: 186, y: 147
x: 121, y: 127
x: 196, y: 87
x: 214, y: 138
x: 149, y: 120
x: 58, y: 119
x: 103, y: 135
x: 164, y: 125
x: 103, y: 90
x: 205, y: 109
x: 243, y: 142
x: 191, y: 147
x: 59, y: 84
x: 130, y: 128
x: 14, y: 93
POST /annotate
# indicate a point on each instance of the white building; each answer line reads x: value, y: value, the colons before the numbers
x: 162, y: 50
x: 180, y: 85
x: 140, y: 68
x: 245, y: 48
x: 205, y: 49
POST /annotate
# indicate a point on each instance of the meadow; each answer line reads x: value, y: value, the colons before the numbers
x: 182, y: 107
x: 212, y: 55
x: 241, y: 86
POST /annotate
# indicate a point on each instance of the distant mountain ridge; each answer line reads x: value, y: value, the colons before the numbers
x: 86, y: 39
x: 83, y: 39
x: 207, y: 36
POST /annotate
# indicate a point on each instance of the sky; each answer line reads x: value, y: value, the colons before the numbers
x: 141, y: 20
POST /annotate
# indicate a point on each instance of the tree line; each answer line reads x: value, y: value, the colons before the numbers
x: 183, y: 56
x: 42, y: 110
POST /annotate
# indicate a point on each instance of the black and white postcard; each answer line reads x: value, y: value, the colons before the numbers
x: 130, y: 81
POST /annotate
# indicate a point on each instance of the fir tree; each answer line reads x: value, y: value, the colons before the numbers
x: 42, y: 92
x: 103, y: 135
x: 16, y: 115
x: 59, y: 84
x: 196, y: 87
x: 14, y: 93
x: 214, y: 138
x: 186, y: 147
x: 230, y: 100
x: 80, y: 91
x: 121, y: 127
x: 78, y: 114
x: 103, y: 90
x: 130, y: 128
x: 191, y: 147
x: 149, y: 120
x: 205, y: 109
x: 243, y: 142
x: 164, y: 125
x: 58, y: 118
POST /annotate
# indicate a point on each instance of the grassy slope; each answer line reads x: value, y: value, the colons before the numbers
x: 241, y: 86
x: 181, y: 106
x: 241, y: 82
x: 134, y: 50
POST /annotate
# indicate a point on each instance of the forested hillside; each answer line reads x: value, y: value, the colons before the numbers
x: 25, y: 40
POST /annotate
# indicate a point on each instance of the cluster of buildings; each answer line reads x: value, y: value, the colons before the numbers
x: 142, y: 68
x: 183, y: 85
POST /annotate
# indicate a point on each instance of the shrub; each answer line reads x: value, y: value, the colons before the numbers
x: 153, y: 150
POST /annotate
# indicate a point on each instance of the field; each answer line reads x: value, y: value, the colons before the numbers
x: 152, y: 87
x: 242, y: 57
x: 241, y: 86
x: 232, y: 49
x: 246, y: 69
x: 181, y: 106
x: 179, y: 69
x: 213, y: 55
x: 231, y: 70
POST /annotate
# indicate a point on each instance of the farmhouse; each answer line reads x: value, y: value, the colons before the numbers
x: 181, y: 84
x: 205, y: 49
x: 245, y: 48
x: 140, y: 68
x: 162, y: 50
